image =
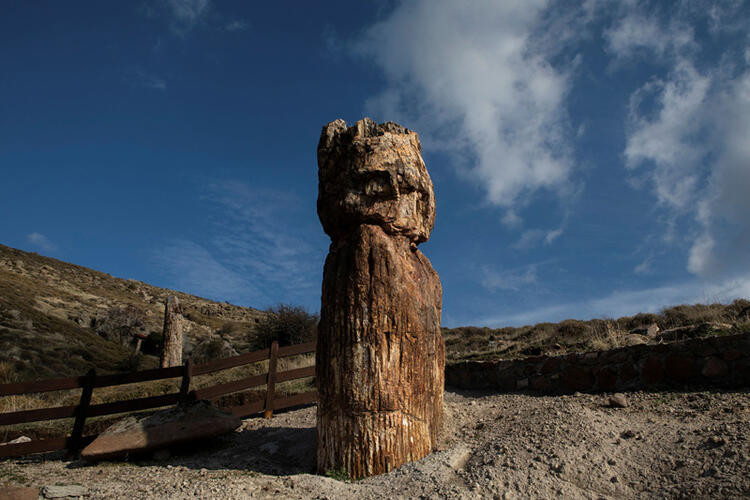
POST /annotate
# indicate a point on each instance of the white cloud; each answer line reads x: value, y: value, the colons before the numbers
x: 668, y: 139
x: 41, y: 241
x: 724, y: 207
x: 474, y: 80
x: 688, y: 131
x: 639, y: 31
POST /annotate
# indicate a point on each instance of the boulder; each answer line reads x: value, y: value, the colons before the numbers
x: 146, y: 432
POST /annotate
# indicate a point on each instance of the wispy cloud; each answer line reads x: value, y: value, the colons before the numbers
x: 186, y: 14
x: 190, y: 267
x: 142, y: 78
x: 476, y: 79
x: 628, y: 302
x: 182, y: 16
x: 688, y: 133
x: 252, y: 252
x: 41, y: 242
x: 534, y: 237
x: 508, y: 279
x: 236, y: 25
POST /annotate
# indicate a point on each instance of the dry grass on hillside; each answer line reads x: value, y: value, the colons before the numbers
x: 474, y: 343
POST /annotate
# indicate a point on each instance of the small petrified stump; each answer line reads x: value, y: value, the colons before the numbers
x: 380, y: 356
x: 171, y: 354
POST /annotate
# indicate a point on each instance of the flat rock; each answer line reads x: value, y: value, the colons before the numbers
x: 18, y: 440
x: 148, y: 432
x: 71, y: 490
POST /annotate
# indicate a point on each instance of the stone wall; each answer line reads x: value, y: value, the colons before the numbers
x: 714, y: 361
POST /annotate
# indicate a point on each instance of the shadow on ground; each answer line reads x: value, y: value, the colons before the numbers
x: 278, y: 451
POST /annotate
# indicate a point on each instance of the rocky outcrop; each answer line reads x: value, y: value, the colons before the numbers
x: 380, y: 354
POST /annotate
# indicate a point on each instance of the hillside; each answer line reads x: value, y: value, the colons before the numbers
x: 671, y: 324
x: 59, y: 319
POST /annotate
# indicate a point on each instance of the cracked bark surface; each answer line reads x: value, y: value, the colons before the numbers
x: 380, y: 356
x: 171, y: 354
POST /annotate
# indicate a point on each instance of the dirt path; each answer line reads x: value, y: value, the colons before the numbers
x: 667, y: 444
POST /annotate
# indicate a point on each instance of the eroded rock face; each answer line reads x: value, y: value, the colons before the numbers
x: 172, y: 351
x: 373, y: 174
x: 380, y: 354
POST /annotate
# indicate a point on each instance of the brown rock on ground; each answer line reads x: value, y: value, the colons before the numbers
x: 618, y: 400
x: 142, y: 433
x: 380, y: 354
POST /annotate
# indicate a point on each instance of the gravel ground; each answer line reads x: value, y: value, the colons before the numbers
x: 663, y: 445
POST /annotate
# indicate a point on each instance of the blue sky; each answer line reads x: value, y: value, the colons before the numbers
x: 590, y: 159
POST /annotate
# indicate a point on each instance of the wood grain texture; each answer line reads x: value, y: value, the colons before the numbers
x: 172, y: 351
x: 380, y: 355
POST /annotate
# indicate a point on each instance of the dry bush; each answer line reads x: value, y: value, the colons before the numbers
x: 605, y: 335
x: 286, y: 324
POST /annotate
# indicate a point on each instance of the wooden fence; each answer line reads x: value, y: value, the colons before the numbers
x: 91, y: 380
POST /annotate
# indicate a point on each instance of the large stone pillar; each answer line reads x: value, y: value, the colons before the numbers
x: 171, y: 354
x: 380, y: 355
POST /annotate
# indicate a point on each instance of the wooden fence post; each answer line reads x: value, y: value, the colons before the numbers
x: 187, y: 374
x: 81, y: 411
x: 271, y: 381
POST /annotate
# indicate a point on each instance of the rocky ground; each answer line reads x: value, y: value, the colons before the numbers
x: 663, y: 445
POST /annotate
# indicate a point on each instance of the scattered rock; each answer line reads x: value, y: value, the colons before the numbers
x: 627, y: 434
x: 716, y: 441
x: 618, y: 400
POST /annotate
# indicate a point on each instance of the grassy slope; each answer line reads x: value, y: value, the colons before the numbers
x: 478, y: 343
x: 48, y: 309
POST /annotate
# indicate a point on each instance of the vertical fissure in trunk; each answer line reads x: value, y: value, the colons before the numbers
x: 380, y: 357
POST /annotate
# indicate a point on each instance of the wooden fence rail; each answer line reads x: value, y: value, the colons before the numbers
x: 187, y: 372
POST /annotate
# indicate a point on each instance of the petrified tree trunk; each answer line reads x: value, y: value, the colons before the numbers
x: 171, y: 354
x: 380, y: 355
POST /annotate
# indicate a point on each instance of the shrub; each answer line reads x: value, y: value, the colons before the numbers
x: 213, y: 348
x: 287, y: 325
